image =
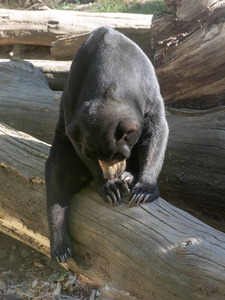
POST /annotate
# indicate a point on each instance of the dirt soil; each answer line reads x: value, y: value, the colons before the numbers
x: 28, y: 274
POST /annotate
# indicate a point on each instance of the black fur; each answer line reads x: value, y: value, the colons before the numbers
x: 111, y: 108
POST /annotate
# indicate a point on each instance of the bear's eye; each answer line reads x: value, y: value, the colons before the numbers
x: 128, y: 135
x: 130, y: 131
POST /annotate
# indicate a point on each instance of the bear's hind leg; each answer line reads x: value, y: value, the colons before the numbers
x: 65, y: 175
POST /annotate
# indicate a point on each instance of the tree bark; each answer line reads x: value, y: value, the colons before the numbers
x: 193, y: 174
x: 154, y: 251
x: 45, y: 27
x: 189, y: 59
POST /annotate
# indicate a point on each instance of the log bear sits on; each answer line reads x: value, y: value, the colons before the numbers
x: 112, y: 121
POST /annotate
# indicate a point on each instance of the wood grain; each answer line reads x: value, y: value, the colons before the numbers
x: 155, y: 251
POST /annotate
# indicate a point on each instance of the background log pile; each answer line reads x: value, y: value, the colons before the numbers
x: 139, y: 253
x: 43, y: 34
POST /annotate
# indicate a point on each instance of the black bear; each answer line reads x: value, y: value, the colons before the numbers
x: 111, y: 124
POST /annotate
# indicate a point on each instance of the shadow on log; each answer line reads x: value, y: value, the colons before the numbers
x: 155, y: 251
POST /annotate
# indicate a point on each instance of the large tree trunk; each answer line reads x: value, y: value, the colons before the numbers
x: 189, y: 59
x: 154, y: 251
x: 193, y: 175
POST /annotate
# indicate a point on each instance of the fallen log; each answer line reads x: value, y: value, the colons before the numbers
x: 55, y: 71
x: 193, y: 173
x: 189, y: 41
x: 26, y: 100
x: 45, y: 27
x: 68, y: 46
x: 155, y: 251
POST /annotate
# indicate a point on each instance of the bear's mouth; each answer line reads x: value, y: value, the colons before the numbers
x: 113, y: 168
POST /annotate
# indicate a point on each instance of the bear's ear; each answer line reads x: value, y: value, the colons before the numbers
x: 125, y: 128
x: 73, y: 131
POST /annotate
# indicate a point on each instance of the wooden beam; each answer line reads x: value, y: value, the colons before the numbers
x: 155, y: 251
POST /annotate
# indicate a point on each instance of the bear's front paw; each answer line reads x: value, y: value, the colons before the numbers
x: 112, y: 191
x: 143, y: 192
x: 60, y: 247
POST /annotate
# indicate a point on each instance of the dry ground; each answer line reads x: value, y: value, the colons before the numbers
x: 28, y: 274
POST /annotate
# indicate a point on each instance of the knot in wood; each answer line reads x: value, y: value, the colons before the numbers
x: 188, y: 244
x: 53, y: 24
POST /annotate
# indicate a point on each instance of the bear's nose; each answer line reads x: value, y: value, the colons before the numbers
x: 106, y: 156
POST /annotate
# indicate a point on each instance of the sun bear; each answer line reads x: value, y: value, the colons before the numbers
x: 111, y: 124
